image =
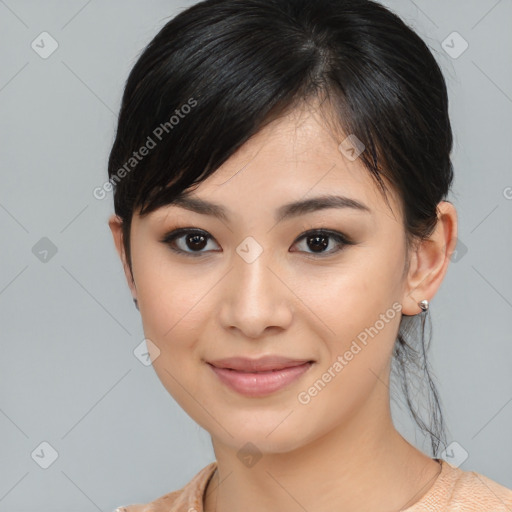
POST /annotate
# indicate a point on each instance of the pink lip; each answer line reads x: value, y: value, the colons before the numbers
x: 261, y: 364
x: 259, y: 377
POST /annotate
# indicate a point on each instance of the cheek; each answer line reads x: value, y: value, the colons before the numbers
x: 356, y: 311
x: 171, y: 296
x: 360, y: 319
x: 172, y: 323
x: 175, y: 305
x: 173, y: 319
x: 350, y: 297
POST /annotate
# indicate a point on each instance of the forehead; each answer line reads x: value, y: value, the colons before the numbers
x: 296, y: 157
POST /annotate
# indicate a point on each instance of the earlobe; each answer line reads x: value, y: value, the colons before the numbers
x: 430, y: 260
x: 116, y: 227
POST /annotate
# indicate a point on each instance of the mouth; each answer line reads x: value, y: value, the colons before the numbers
x: 261, y: 377
x: 261, y: 365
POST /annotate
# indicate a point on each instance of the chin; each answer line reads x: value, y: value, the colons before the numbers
x: 264, y: 435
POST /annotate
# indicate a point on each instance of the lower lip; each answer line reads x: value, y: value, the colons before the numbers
x: 260, y: 384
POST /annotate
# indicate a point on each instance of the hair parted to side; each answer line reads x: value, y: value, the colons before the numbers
x: 239, y: 64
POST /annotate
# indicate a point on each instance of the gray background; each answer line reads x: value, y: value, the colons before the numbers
x: 68, y: 326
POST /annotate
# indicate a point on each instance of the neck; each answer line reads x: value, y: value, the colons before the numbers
x: 362, y: 464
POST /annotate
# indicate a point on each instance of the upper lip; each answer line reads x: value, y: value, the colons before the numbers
x: 265, y: 363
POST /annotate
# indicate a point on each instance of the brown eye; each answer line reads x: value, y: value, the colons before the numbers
x: 195, y: 242
x: 190, y: 242
x: 318, y: 241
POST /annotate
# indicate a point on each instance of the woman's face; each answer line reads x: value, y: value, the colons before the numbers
x: 254, y: 286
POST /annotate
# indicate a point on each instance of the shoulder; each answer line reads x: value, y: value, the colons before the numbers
x: 163, y: 503
x: 189, y: 497
x: 476, y: 492
x: 464, y: 491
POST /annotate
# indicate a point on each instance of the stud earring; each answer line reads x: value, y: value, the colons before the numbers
x: 136, y: 303
x: 423, y: 305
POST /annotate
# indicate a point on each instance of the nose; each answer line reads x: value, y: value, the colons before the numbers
x: 256, y: 297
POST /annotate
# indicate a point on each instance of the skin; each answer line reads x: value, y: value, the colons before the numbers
x: 341, y: 450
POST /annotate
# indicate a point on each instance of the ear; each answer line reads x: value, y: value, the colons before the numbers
x: 116, y: 227
x: 429, y: 260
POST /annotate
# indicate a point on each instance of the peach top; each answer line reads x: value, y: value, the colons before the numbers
x: 454, y: 490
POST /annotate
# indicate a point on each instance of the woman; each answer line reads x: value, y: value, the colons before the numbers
x: 281, y: 169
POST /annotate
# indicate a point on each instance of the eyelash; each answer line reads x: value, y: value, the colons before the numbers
x: 172, y: 236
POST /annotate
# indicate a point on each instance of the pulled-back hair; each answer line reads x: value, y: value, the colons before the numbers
x: 221, y: 70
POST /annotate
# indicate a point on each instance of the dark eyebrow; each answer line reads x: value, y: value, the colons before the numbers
x: 318, y: 203
x: 286, y: 211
